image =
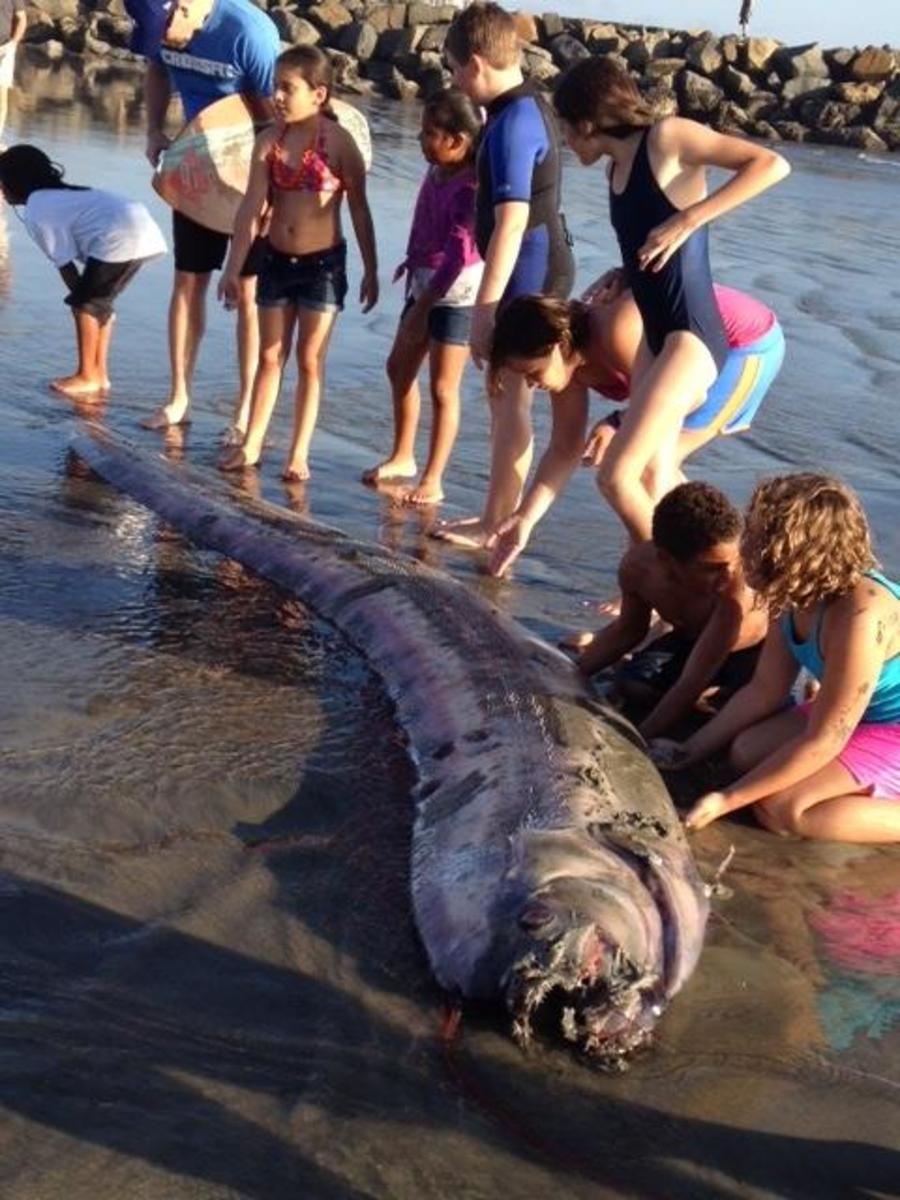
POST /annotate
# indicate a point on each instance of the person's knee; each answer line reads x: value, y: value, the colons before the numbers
x: 613, y: 481
x: 190, y: 286
x: 443, y: 395
x: 309, y: 362
x: 271, y: 357
x: 781, y: 813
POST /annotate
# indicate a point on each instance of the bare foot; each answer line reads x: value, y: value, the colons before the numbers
x: 423, y: 494
x: 391, y: 468
x: 174, y: 413
x: 233, y: 435
x: 236, y: 460
x: 79, y: 385
x: 468, y: 532
x: 297, y: 472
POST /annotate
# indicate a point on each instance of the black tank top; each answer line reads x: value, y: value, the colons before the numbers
x: 680, y: 296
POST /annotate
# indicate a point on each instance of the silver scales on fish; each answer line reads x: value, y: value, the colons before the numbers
x: 549, y: 867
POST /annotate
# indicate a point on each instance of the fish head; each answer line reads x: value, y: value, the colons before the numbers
x: 590, y: 958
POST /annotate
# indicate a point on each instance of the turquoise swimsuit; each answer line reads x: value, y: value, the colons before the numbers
x: 884, y: 706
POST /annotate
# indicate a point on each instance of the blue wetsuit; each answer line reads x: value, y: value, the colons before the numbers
x: 233, y: 51
x: 519, y: 160
x: 680, y: 296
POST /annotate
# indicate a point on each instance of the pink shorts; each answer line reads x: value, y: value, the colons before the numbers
x: 872, y: 756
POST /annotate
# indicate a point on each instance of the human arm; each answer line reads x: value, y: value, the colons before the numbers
x: 510, y: 223
x: 629, y: 628
x: 19, y: 25
x: 602, y: 433
x: 353, y: 174
x: 853, y: 654
x: 559, y: 460
x: 753, y: 167
x: 767, y: 691
x: 157, y: 94
x: 248, y: 221
x: 715, y: 643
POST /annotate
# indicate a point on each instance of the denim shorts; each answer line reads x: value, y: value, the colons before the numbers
x: 447, y: 325
x: 316, y: 281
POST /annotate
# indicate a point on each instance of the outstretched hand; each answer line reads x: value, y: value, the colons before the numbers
x: 597, y: 444
x: 509, y: 542
x: 707, y: 809
x: 664, y: 240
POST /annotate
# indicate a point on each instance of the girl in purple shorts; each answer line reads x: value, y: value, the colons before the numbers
x: 443, y: 271
x: 829, y: 769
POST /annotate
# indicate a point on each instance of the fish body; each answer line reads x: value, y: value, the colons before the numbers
x: 549, y: 868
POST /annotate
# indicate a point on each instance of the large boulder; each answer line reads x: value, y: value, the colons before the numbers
x: 551, y: 25
x: 803, y: 84
x: 386, y: 16
x: 736, y: 84
x: 567, y: 51
x: 394, y: 43
x: 873, y: 63
x: 433, y: 39
x: 328, y: 16
x: 796, y: 62
x: 858, y: 93
x: 526, y: 28
x: 295, y: 30
x: 699, y: 97
x: 731, y: 118
x: 358, y: 38
x: 430, y: 14
x: 664, y: 68
x: 705, y: 56
x: 758, y: 53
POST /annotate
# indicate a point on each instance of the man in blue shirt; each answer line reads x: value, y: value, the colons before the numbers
x: 205, y: 50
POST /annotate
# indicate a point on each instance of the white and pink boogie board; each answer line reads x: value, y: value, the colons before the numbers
x: 204, y: 172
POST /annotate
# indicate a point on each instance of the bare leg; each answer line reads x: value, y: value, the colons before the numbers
x: 664, y: 390
x: 403, y: 365
x: 830, y: 806
x: 4, y: 108
x: 101, y: 364
x: 276, y: 327
x: 512, y: 444
x: 85, y: 381
x: 313, y: 333
x: 446, y: 365
x: 248, y: 356
x: 187, y: 324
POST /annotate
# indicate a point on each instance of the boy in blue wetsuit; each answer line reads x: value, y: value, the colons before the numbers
x: 520, y: 231
x: 205, y: 50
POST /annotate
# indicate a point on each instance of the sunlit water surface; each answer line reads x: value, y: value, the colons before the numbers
x: 210, y: 985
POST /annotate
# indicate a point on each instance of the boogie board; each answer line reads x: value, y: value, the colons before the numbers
x: 204, y: 172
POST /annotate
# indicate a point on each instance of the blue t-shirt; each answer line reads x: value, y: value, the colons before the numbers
x: 234, y: 51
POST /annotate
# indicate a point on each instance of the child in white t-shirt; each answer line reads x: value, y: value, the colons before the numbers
x: 107, y: 234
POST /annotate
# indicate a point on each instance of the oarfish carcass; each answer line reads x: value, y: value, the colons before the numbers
x: 549, y: 867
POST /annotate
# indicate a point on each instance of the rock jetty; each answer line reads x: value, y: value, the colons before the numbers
x: 755, y: 86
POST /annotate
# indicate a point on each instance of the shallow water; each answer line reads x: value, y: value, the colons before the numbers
x: 211, y: 986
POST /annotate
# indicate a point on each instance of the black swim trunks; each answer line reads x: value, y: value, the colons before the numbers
x: 659, y: 665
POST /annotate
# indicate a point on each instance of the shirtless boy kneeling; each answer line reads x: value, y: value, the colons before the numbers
x: 690, y: 574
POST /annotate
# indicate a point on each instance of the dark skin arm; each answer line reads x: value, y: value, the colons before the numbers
x: 716, y: 642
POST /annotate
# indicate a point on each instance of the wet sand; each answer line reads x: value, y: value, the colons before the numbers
x: 211, y: 986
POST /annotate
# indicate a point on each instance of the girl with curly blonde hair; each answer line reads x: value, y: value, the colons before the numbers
x: 830, y: 768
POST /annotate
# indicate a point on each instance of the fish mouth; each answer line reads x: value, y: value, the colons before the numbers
x: 599, y: 999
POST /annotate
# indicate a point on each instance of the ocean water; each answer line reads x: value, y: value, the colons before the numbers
x: 210, y: 984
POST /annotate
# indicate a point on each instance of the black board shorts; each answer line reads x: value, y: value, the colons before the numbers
x: 660, y: 664
x: 199, y: 250
x: 99, y: 284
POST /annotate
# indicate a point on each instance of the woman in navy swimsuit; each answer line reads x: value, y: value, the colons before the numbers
x: 659, y: 208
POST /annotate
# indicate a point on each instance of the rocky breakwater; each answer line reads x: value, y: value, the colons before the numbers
x: 755, y: 86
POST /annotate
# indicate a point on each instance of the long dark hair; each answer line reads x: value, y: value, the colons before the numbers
x: 452, y: 111
x: 530, y: 326
x: 25, y: 169
x: 313, y: 65
x: 598, y: 93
